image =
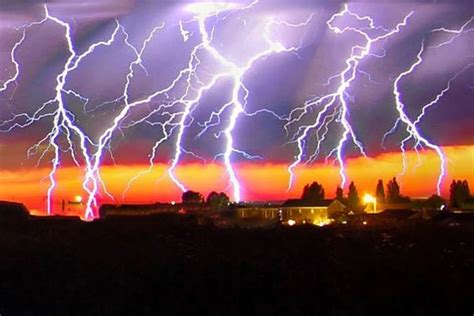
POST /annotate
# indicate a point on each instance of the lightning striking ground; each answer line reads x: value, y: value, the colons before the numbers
x: 170, y: 111
x: 237, y: 104
x: 412, y: 128
x: 338, y: 99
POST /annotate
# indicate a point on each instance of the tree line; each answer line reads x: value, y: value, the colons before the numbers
x: 314, y: 193
x: 216, y: 201
x: 459, y: 194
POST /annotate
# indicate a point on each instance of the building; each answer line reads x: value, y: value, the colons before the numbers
x: 468, y: 205
x: 12, y: 211
x: 381, y: 207
x: 258, y: 212
x: 292, y: 213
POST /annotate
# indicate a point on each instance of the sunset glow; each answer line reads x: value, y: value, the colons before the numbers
x: 137, y: 103
x: 218, y: 157
x: 262, y: 181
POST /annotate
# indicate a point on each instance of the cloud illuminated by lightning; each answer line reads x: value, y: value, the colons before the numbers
x: 237, y: 103
x: 169, y: 111
x: 339, y: 98
x: 412, y: 128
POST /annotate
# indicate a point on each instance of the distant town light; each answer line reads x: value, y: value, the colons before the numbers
x: 78, y: 199
x: 364, y: 222
x: 322, y: 222
x: 291, y: 222
x: 368, y: 199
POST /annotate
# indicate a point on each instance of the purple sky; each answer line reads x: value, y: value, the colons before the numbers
x: 278, y: 83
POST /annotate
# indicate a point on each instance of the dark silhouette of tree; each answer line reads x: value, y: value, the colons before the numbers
x: 453, y: 194
x: 339, y: 194
x: 217, y: 201
x: 212, y: 197
x: 191, y: 197
x: 459, y: 193
x: 435, y: 202
x: 393, y: 191
x: 380, y: 191
x: 353, y: 197
x: 465, y: 192
x: 312, y: 193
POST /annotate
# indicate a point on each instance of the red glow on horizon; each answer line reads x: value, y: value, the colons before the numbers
x: 259, y: 181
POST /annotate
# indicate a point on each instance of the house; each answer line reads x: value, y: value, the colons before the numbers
x: 385, y: 206
x: 319, y: 213
x: 388, y: 218
x: 468, y: 205
x: 296, y: 215
x: 13, y: 211
x: 396, y: 214
x: 292, y: 212
x: 261, y: 212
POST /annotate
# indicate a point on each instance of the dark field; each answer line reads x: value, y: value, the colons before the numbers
x: 165, y: 266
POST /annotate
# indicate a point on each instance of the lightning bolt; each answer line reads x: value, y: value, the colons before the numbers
x: 15, y: 76
x: 457, y: 32
x: 169, y: 110
x: 237, y: 103
x: 412, y: 126
x: 13, y: 79
x: 338, y: 100
x: 63, y: 119
x: 413, y: 132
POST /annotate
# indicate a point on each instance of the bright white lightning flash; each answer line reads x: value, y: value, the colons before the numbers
x: 237, y: 103
x: 63, y: 119
x: 230, y: 71
x: 176, y: 114
x: 338, y: 99
x: 206, y: 9
x: 412, y: 126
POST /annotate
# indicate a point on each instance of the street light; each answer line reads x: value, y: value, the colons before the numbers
x: 370, y: 199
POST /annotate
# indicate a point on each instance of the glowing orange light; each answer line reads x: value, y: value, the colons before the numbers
x: 322, y: 222
x: 370, y: 199
x: 254, y: 177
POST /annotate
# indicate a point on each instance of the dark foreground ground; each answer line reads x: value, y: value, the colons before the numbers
x: 163, y: 266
